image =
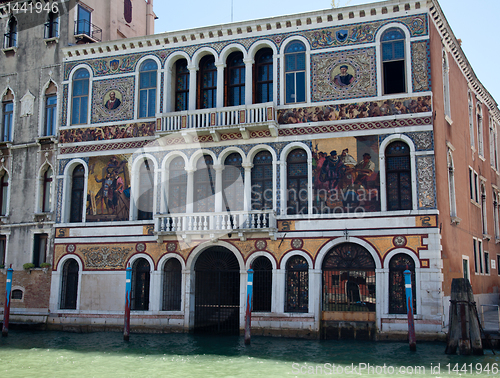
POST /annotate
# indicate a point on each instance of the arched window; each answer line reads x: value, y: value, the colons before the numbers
x: 181, y: 85
x: 4, y: 195
x: 393, y: 61
x: 451, y: 185
x: 471, y: 118
x: 140, y: 285
x: 147, y: 88
x: 262, y: 284
x: 69, y: 287
x: 297, y: 178
x: 207, y: 86
x: 480, y: 144
x: 146, y: 191
x: 177, y: 186
x: 50, y: 110
x: 7, y: 116
x: 398, y: 171
x: 397, y: 297
x: 263, y: 77
x: 172, y: 278
x: 3, y: 245
x: 10, y: 39
x: 80, y: 97
x: 297, y: 285
x: 235, y: 79
x: 232, y: 183
x: 51, y: 26
x: 295, y: 72
x: 262, y: 181
x: 46, y: 198
x: 348, y: 279
x: 484, y: 211
x: 127, y: 11
x: 204, y: 185
x: 77, y: 188
x: 446, y: 85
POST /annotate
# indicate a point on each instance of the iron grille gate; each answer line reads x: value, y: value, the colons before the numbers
x: 217, y: 290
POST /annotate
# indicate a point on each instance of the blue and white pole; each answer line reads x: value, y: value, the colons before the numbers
x: 409, y: 307
x: 128, y: 289
x: 6, y: 311
x: 248, y: 317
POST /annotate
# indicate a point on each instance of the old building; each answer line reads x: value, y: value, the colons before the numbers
x: 328, y: 151
x: 34, y: 34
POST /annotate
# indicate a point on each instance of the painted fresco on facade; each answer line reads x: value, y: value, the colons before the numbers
x: 346, y: 175
x: 421, y: 104
x: 91, y: 134
x: 108, y: 197
x: 104, y: 109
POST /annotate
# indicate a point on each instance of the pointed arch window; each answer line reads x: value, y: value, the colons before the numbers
x: 46, y: 199
x: 7, y: 116
x: 10, y: 38
x: 50, y: 110
x: 446, y: 85
x: 177, y: 186
x: 69, y: 285
x: 207, y: 86
x: 397, y: 298
x: 232, y: 182
x: 235, y: 79
x: 172, y: 278
x: 451, y: 185
x: 295, y: 72
x: 146, y: 191
x: 77, y: 189
x: 4, y: 187
x: 263, y: 76
x: 262, y: 284
x: 297, y: 178
x: 393, y: 61
x: 181, y: 85
x: 204, y: 185
x: 297, y: 285
x: 52, y: 26
x: 141, y: 277
x: 398, y: 171
x: 80, y: 97
x: 471, y: 118
x: 262, y: 181
x: 480, y: 142
x: 147, y: 88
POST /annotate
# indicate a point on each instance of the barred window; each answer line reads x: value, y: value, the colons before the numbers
x: 172, y: 278
x: 297, y: 285
x: 69, y: 287
x: 140, y: 285
x: 262, y: 284
x: 397, y: 291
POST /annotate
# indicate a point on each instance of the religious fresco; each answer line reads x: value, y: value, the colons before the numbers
x: 346, y: 175
x: 113, y: 99
x: 108, y: 197
x: 366, y: 109
x: 91, y: 134
x: 344, y: 74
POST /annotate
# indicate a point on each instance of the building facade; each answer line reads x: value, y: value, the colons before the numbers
x: 34, y: 34
x: 328, y: 151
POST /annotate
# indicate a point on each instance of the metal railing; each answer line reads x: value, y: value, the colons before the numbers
x: 228, y: 116
x: 84, y: 27
x: 210, y: 222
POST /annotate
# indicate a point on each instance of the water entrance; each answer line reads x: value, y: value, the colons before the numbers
x: 217, y: 292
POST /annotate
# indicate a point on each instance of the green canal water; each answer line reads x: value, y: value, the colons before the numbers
x: 60, y: 354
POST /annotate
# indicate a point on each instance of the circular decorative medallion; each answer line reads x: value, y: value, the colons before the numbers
x: 399, y: 241
x: 70, y: 248
x: 171, y: 247
x: 260, y: 245
x: 297, y: 243
x: 140, y: 247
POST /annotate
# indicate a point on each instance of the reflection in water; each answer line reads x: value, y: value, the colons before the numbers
x: 58, y: 354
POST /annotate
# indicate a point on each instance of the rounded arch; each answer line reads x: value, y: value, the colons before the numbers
x: 79, y: 66
x: 200, y: 53
x: 293, y: 38
x: 137, y: 161
x: 195, y: 253
x: 167, y: 256
x: 258, y: 148
x: 198, y: 154
x: 294, y: 252
x: 393, y: 138
x: 398, y: 25
x: 292, y: 146
x: 174, y: 57
x: 257, y: 254
x: 262, y: 44
x: 397, y: 251
x: 165, y: 163
x: 68, y: 183
x: 62, y: 261
x: 228, y: 151
x: 132, y: 259
x: 333, y: 243
x: 148, y: 57
x: 227, y: 50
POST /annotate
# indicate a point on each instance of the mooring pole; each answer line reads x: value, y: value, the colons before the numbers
x: 6, y: 310
x: 128, y: 287
x: 409, y: 306
x: 248, y: 317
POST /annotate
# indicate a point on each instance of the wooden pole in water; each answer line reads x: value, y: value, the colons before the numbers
x: 128, y: 287
x: 409, y: 307
x: 248, y: 317
x: 6, y: 311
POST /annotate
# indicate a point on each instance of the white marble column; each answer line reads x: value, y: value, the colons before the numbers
x: 220, y: 84
x: 248, y: 80
x: 218, y: 188
x: 192, y: 87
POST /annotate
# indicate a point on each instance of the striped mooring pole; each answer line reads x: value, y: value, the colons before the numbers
x: 409, y: 306
x: 248, y: 316
x: 6, y: 310
x: 128, y: 289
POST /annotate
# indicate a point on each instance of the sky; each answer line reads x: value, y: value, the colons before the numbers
x: 475, y: 23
